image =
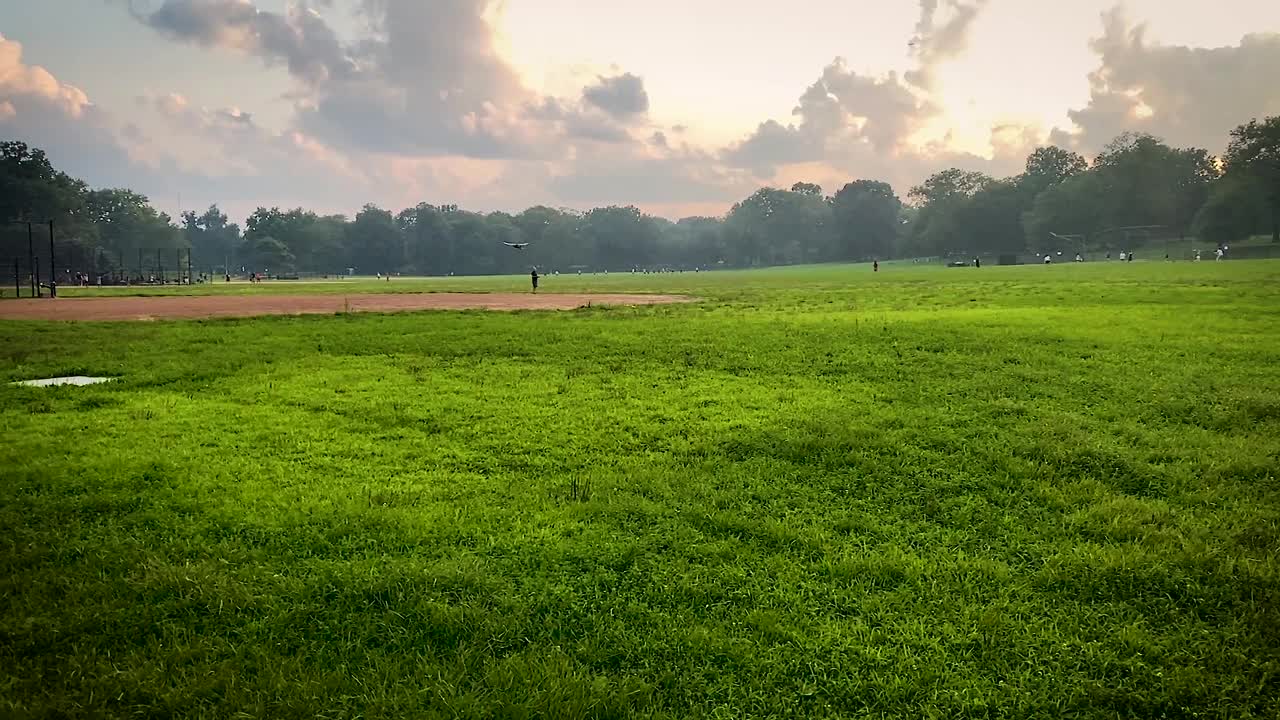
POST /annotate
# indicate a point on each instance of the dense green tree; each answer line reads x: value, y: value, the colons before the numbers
x: 1235, y: 210
x: 991, y: 220
x: 866, y: 216
x: 212, y: 239
x: 374, y: 241
x: 623, y: 237
x: 1069, y: 208
x: 426, y: 239
x: 941, y: 199
x: 126, y: 223
x: 265, y: 254
x: 1149, y: 183
x: 1137, y: 180
x: 1047, y: 167
x: 778, y: 227
x: 1254, y: 154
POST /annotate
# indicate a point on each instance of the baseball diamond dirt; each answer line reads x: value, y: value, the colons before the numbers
x: 186, y: 307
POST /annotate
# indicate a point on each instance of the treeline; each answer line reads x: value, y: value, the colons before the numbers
x: 1137, y: 183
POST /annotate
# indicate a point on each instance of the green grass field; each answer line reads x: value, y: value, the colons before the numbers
x: 1009, y: 492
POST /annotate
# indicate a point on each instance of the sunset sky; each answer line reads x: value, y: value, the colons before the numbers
x: 679, y: 107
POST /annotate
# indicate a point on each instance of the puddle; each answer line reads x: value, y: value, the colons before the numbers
x: 73, y: 380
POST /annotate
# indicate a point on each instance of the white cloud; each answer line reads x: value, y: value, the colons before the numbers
x: 1188, y: 96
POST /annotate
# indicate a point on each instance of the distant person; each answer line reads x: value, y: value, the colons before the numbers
x: 1079, y: 258
x: 1130, y: 256
x: 977, y: 262
x: 534, y: 277
x: 1048, y: 259
x: 1108, y: 254
x: 1217, y: 256
x: 875, y: 266
x: 1122, y: 256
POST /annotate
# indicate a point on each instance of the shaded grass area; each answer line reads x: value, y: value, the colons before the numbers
x: 1029, y: 492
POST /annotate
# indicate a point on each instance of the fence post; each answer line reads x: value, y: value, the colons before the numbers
x: 35, y: 277
x: 31, y: 262
x: 17, y: 280
x: 53, y: 266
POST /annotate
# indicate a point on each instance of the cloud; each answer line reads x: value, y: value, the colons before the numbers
x: 426, y: 78
x: 621, y: 96
x: 934, y: 44
x: 39, y: 109
x: 841, y: 109
x: 299, y: 38
x: 1188, y: 96
x: 35, y: 85
x: 637, y: 174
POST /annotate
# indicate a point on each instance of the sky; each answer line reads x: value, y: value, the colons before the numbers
x: 679, y: 107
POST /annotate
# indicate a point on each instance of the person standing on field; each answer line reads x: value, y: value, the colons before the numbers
x: 875, y: 266
x: 534, y: 277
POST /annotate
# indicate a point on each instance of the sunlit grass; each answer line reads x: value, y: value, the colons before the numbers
x: 1015, y: 492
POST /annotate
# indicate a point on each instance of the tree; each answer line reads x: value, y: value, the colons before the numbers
x: 991, y: 220
x: 948, y: 185
x: 1050, y: 166
x: 31, y: 189
x: 212, y: 239
x: 939, y: 227
x: 1236, y: 209
x: 269, y: 255
x: 126, y: 223
x: 553, y: 237
x: 324, y: 239
x: 1068, y: 208
x: 804, y: 188
x: 1149, y: 183
x: 291, y: 228
x: 777, y: 227
x: 866, y: 214
x: 425, y: 232
x: 374, y: 241
x: 623, y: 237
x: 696, y: 241
x: 1254, y: 153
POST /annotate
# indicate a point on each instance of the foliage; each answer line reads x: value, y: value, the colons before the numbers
x: 866, y: 215
x: 1137, y: 181
x: 1254, y: 156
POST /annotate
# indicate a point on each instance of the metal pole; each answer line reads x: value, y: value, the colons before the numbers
x: 159, y: 267
x: 53, y: 266
x: 188, y: 265
x: 140, y: 278
x: 17, y: 280
x: 31, y: 260
x: 36, y: 277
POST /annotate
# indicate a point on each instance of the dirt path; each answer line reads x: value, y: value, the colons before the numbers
x: 203, y: 306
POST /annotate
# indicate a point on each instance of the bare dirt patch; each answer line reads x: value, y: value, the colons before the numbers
x: 205, y: 306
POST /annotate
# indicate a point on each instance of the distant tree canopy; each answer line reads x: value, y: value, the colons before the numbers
x: 1136, y: 181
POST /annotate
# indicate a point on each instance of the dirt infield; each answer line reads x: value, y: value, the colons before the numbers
x: 205, y: 306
